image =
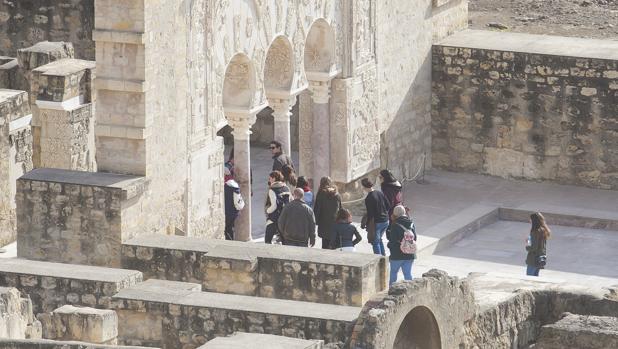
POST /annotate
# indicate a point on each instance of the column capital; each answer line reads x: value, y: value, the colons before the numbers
x: 320, y: 91
x: 282, y: 108
x: 241, y: 122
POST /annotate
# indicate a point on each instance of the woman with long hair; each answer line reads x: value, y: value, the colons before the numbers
x: 302, y: 183
x: 345, y: 235
x: 391, y: 188
x: 326, y: 206
x: 537, y: 244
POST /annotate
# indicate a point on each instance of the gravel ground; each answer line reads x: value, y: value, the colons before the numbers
x: 579, y: 18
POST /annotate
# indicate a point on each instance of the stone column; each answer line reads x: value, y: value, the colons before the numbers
x: 282, y: 114
x: 320, y: 139
x: 241, y: 123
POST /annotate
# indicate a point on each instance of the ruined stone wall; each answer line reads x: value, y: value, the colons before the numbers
x: 522, y: 115
x: 23, y: 23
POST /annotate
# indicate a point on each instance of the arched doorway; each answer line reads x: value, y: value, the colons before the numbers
x: 418, y: 330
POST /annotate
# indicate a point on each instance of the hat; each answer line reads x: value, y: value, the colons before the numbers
x: 399, y: 211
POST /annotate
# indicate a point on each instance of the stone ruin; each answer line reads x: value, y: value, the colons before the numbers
x: 110, y: 174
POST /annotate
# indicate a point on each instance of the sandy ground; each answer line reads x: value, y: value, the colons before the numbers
x: 579, y: 18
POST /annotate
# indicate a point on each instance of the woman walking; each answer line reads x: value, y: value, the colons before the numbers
x: 391, y: 188
x: 537, y: 244
x: 401, y: 225
x: 327, y: 204
x: 345, y: 235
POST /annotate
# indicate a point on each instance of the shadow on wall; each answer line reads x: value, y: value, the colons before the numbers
x: 419, y: 329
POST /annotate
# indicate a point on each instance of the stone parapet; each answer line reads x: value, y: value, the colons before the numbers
x: 52, y: 285
x: 189, y: 318
x: 77, y: 217
x: 80, y: 324
x: 270, y: 271
x: 259, y: 341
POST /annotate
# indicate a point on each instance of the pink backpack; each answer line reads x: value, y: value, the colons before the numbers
x: 407, y: 245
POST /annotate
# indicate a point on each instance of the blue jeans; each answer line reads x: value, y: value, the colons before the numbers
x: 378, y: 245
x: 405, y: 265
x: 532, y: 270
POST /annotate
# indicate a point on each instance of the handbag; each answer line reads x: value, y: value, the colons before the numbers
x: 541, y: 261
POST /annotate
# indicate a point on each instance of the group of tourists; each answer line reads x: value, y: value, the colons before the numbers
x: 293, y: 213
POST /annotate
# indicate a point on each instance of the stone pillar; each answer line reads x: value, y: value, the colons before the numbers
x: 241, y: 122
x: 320, y: 139
x: 282, y: 114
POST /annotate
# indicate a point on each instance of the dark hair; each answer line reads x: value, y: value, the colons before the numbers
x: 539, y: 225
x: 289, y: 175
x: 276, y: 144
x: 277, y: 176
x: 301, y: 182
x: 325, y: 183
x: 367, y: 183
x: 388, y: 176
x: 344, y: 216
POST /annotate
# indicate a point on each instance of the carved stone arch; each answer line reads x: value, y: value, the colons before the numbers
x: 428, y: 312
x: 239, y: 84
x: 279, y: 66
x: 320, y: 52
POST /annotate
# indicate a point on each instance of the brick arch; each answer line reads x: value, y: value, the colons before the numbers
x: 427, y: 313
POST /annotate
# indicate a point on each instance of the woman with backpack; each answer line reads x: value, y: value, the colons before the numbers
x: 327, y: 204
x: 537, y: 244
x: 402, y: 244
x: 345, y: 235
x: 278, y: 196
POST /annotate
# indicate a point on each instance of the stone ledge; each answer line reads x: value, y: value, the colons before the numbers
x: 119, y: 131
x: 51, y: 344
x: 260, y: 341
x: 103, y: 83
x: 116, y: 36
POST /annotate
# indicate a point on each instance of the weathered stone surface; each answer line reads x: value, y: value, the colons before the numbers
x: 580, y: 331
x: 16, y: 318
x: 282, y: 272
x: 52, y: 285
x: 531, y: 115
x: 11, y: 76
x: 77, y: 217
x: 51, y: 344
x: 176, y: 317
x: 260, y: 341
x: 80, y: 324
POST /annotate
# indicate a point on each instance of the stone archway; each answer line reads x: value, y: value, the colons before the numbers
x: 426, y: 313
x: 239, y: 89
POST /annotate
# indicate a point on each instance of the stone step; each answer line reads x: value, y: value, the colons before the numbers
x: 260, y: 341
x: 174, y: 314
x: 52, y: 285
x: 271, y: 271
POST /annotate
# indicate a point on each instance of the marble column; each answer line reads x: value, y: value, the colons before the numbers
x: 282, y: 114
x: 241, y: 123
x: 320, y: 139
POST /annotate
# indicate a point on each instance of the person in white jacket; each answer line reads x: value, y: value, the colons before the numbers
x: 234, y: 203
x: 278, y: 196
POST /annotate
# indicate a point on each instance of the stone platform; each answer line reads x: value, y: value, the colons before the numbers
x: 275, y: 271
x: 260, y: 341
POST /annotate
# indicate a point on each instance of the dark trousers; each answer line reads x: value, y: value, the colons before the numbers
x: 295, y: 243
x: 229, y: 227
x: 271, y: 231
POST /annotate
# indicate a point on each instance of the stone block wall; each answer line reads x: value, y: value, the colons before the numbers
x: 24, y: 23
x: 525, y: 115
x: 17, y: 320
x: 80, y: 324
x: 77, y: 217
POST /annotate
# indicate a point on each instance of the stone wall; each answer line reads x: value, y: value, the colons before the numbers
x: 52, y: 285
x: 24, y: 23
x: 51, y: 344
x: 77, y: 217
x: 526, y: 115
x: 580, y: 331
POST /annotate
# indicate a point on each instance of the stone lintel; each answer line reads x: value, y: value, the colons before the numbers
x: 131, y: 186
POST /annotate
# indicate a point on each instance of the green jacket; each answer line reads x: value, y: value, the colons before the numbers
x: 538, y: 247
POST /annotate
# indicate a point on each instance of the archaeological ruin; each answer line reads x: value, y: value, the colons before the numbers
x: 117, y: 118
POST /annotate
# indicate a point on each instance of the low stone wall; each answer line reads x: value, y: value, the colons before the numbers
x: 50, y: 344
x: 580, y: 331
x: 52, y: 285
x: 174, y: 317
x: 525, y: 115
x: 281, y: 272
x: 76, y: 217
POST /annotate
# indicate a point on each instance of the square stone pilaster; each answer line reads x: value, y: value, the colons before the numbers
x: 15, y: 155
x: 77, y: 217
x: 66, y: 114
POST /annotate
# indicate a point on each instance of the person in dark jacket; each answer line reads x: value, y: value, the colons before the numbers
x: 280, y: 158
x: 377, y: 214
x: 391, y: 188
x: 398, y: 259
x: 327, y: 204
x: 233, y: 203
x: 297, y: 222
x: 537, y: 244
x: 278, y: 197
x: 345, y: 235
